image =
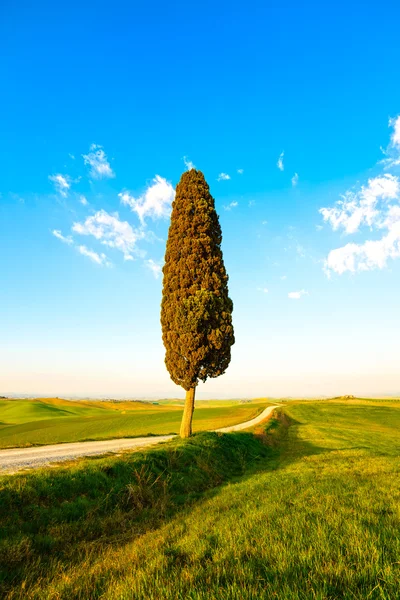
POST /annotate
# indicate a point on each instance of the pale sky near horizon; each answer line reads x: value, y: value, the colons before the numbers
x: 293, y: 115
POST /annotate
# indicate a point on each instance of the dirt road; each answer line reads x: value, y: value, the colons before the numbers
x: 261, y: 417
x: 14, y: 459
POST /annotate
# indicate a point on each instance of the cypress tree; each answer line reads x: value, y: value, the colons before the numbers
x: 196, y: 311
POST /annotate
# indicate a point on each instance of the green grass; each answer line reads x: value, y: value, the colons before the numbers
x: 51, y: 421
x: 312, y: 513
x: 94, y: 504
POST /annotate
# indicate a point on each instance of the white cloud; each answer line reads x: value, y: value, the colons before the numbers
x: 100, y: 259
x: 111, y: 232
x: 62, y: 183
x: 154, y: 203
x: 188, y: 164
x: 358, y: 208
x: 99, y: 166
x: 372, y: 254
x: 151, y: 237
x: 300, y: 251
x: 223, y: 177
x: 231, y: 205
x: 295, y: 180
x: 66, y: 239
x: 395, y: 123
x: 391, y: 218
x: 83, y: 201
x: 264, y: 222
x: 392, y: 152
x: 263, y: 290
x: 376, y: 205
x: 240, y: 171
x: 297, y: 295
x: 155, y: 268
x: 280, y: 164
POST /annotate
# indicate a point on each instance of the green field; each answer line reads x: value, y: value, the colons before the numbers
x: 306, y: 507
x: 51, y: 421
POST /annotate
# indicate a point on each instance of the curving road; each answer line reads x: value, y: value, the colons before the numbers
x: 14, y: 459
x: 261, y: 417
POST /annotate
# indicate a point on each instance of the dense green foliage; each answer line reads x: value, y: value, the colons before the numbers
x: 50, y: 421
x: 196, y: 311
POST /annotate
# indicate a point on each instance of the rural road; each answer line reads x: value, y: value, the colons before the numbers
x: 261, y: 417
x: 15, y: 459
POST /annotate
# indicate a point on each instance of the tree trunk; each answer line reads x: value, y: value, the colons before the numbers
x: 186, y: 425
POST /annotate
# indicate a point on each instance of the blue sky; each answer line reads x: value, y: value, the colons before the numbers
x: 292, y: 113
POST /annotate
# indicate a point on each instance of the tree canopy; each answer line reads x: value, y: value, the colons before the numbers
x: 196, y: 311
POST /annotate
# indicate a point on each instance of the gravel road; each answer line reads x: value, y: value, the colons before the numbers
x: 261, y: 417
x: 14, y: 459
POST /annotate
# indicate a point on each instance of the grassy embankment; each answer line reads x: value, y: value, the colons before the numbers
x: 51, y: 421
x: 314, y: 515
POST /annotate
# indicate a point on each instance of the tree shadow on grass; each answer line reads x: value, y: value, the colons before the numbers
x: 282, y: 434
x: 60, y: 516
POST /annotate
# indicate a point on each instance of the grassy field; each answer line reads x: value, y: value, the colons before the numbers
x: 50, y: 421
x: 307, y: 509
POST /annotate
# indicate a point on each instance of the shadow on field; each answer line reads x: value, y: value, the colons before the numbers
x: 59, y: 517
x: 282, y: 435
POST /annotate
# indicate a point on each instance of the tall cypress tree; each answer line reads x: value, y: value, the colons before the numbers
x: 196, y: 311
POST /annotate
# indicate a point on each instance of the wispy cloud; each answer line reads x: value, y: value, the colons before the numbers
x: 372, y: 254
x: 264, y: 290
x: 83, y: 201
x: 66, y: 239
x: 295, y: 180
x: 283, y: 277
x: 111, y: 232
x: 154, y: 203
x: 155, y: 267
x: 223, y: 177
x: 395, y: 123
x: 231, y: 205
x: 97, y: 160
x: 297, y: 295
x: 280, y: 164
x: 240, y: 171
x: 100, y: 259
x: 375, y: 205
x: 62, y: 183
x: 392, y: 152
x: 188, y: 164
x: 15, y: 198
x: 359, y: 208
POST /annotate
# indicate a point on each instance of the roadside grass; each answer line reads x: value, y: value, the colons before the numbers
x: 307, y: 509
x: 52, y: 521
x: 37, y: 422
